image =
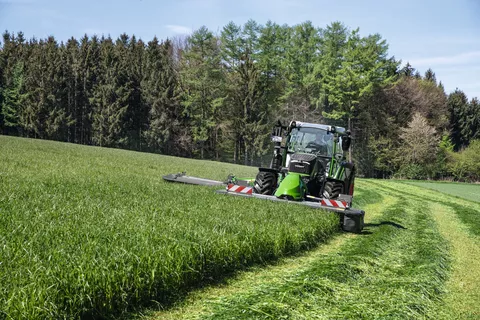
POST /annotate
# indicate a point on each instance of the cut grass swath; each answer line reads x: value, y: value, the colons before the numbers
x: 467, y: 211
x: 398, y: 271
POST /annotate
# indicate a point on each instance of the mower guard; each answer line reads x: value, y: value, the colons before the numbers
x: 183, y: 178
x: 352, y: 220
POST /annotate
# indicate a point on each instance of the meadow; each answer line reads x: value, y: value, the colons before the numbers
x: 88, y: 232
x: 463, y: 190
x: 416, y: 259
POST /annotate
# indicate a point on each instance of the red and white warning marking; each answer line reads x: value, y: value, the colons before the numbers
x: 334, y: 203
x: 240, y: 189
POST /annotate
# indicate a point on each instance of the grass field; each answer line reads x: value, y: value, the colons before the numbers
x: 462, y: 190
x: 86, y: 231
x: 89, y: 231
x: 415, y: 260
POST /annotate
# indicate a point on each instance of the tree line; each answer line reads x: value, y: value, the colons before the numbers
x: 217, y: 97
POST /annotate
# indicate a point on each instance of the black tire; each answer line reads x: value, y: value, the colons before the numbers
x: 332, y: 189
x: 265, y: 183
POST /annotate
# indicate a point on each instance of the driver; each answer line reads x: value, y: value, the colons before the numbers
x: 324, y: 139
x: 319, y: 139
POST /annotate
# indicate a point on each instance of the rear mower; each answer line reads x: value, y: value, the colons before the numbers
x: 308, y: 167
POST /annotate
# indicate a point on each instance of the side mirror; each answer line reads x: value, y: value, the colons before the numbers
x: 346, y: 141
x: 276, y: 139
x: 277, y: 131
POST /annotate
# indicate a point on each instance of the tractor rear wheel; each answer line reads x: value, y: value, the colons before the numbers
x: 332, y: 189
x: 265, y: 182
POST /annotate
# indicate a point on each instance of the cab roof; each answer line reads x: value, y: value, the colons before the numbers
x: 326, y: 127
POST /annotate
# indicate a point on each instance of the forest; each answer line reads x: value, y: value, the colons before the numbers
x: 217, y: 96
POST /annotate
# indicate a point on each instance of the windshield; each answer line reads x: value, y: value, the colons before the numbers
x: 312, y: 140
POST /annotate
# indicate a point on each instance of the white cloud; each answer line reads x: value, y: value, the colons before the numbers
x: 179, y: 29
x: 458, y: 59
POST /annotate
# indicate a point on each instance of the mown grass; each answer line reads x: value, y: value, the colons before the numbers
x: 200, y: 302
x: 462, y: 190
x: 467, y: 211
x: 87, y: 231
x: 397, y: 269
x: 463, y: 286
x: 458, y: 223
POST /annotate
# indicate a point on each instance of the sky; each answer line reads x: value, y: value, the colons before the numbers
x: 440, y: 34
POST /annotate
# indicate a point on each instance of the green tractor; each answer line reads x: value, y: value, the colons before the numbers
x: 310, y: 164
x: 308, y: 167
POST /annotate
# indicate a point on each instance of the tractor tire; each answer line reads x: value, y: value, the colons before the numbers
x: 332, y: 189
x: 265, y: 183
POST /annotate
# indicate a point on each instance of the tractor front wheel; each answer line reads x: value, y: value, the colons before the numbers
x: 332, y: 189
x: 265, y: 183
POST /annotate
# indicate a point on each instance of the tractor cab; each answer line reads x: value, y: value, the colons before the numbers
x: 315, y: 139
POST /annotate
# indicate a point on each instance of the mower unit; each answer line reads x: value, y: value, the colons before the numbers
x: 310, y: 169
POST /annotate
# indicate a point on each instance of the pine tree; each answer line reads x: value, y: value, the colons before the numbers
x: 244, y: 89
x: 458, y: 108
x: 271, y: 60
x: 2, y: 67
x: 109, y: 98
x: 202, y: 83
x: 430, y: 76
x: 90, y: 68
x: 475, y: 122
x: 303, y: 84
x: 136, y: 117
x: 408, y: 70
x: 166, y: 131
x: 13, y: 99
x: 364, y: 66
x: 72, y: 70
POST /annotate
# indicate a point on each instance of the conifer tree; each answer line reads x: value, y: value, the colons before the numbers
x: 109, y: 99
x: 13, y: 98
x: 202, y: 84
x: 166, y: 127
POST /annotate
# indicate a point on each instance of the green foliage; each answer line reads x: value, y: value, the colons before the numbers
x: 13, y: 98
x: 458, y: 108
x: 465, y: 165
x: 430, y: 76
x: 217, y: 96
x: 93, y: 232
x: 202, y: 81
x: 364, y: 66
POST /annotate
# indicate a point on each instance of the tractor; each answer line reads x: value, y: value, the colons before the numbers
x: 308, y: 167
x: 311, y: 163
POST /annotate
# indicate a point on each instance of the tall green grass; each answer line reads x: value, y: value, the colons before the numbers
x: 86, y: 231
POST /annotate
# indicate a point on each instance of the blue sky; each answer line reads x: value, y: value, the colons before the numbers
x: 441, y: 34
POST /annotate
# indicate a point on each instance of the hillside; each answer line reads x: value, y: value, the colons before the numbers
x: 89, y: 231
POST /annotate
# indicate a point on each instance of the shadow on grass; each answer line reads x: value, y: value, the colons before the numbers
x: 383, y: 223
